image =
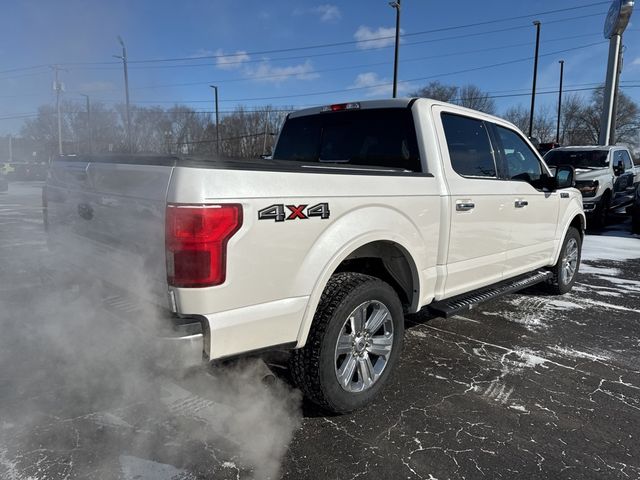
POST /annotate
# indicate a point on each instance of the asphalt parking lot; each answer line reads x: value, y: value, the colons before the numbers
x: 527, y: 386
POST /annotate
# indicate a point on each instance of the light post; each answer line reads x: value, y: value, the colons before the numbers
x: 561, y: 62
x: 89, y: 133
x: 58, y: 88
x: 396, y: 5
x: 535, y: 77
x: 614, y: 26
x: 123, y: 57
x: 215, y: 90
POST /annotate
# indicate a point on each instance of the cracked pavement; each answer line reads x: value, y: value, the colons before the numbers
x: 527, y: 385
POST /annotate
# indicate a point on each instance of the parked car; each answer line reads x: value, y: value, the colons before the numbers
x: 605, y: 175
x: 367, y: 211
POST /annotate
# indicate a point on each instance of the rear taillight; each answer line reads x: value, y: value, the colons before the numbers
x: 196, y: 242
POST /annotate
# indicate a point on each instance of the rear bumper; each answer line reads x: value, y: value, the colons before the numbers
x: 247, y: 330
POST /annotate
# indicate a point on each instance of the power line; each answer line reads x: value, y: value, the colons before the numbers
x: 294, y: 108
x: 343, y: 52
x: 333, y: 44
x: 354, y: 42
x: 509, y: 62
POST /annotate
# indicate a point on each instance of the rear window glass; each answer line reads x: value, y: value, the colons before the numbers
x: 372, y: 137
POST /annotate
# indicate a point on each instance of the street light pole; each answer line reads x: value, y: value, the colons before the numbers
x: 123, y: 57
x: 57, y: 87
x: 89, y: 133
x: 561, y: 62
x: 535, y: 77
x: 396, y: 5
x: 615, y: 24
x: 215, y: 90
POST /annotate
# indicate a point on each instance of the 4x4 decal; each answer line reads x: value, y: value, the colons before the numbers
x: 280, y: 212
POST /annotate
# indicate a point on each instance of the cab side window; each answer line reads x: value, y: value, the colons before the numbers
x: 469, y: 146
x: 521, y: 162
x: 628, y: 163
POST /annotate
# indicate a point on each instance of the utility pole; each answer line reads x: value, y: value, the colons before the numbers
x: 561, y: 62
x: 266, y: 131
x: 123, y: 57
x: 89, y: 132
x: 396, y: 5
x: 535, y: 77
x: 215, y: 90
x: 10, y: 149
x: 57, y: 87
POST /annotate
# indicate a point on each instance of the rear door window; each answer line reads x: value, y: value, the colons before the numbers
x: 370, y: 137
x: 469, y: 146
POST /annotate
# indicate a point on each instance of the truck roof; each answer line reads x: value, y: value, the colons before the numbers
x: 590, y: 147
x: 396, y: 103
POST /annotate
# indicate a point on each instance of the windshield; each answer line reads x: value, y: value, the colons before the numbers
x: 578, y: 158
x: 372, y: 137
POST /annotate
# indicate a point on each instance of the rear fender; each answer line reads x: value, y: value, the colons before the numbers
x: 352, y: 231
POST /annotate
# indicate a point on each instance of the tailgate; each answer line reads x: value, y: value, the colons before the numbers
x: 107, y: 218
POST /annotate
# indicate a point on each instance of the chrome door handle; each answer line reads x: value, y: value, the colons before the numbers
x: 465, y: 206
x: 521, y: 203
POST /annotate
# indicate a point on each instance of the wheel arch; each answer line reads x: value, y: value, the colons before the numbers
x: 389, y: 254
x: 577, y: 220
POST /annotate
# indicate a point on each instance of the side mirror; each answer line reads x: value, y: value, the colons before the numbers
x: 565, y: 177
x: 619, y: 169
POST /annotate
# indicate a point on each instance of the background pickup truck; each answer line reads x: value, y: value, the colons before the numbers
x: 366, y: 211
x: 605, y: 175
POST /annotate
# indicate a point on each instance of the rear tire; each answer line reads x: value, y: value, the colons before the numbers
x: 354, y: 343
x: 565, y: 270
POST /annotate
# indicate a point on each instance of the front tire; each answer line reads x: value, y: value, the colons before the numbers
x: 601, y: 213
x: 565, y: 270
x: 354, y: 343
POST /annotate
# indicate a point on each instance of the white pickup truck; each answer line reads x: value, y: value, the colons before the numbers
x: 605, y: 175
x: 367, y: 211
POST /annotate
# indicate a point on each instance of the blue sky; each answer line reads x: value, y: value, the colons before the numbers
x: 76, y: 33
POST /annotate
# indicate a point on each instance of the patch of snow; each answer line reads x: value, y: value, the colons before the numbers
x: 134, y: 468
x: 557, y: 304
x: 602, y: 247
x: 107, y: 419
x: 530, y: 360
x: 418, y: 333
x: 569, y: 352
x: 586, y: 268
x: 529, y: 320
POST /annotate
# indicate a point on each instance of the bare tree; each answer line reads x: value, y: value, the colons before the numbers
x: 471, y: 96
x: 437, y: 91
x: 543, y: 122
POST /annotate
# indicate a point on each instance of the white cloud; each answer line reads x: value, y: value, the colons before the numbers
x: 232, y: 60
x: 328, y: 13
x: 636, y: 62
x: 369, y: 38
x: 377, y: 86
x: 265, y: 72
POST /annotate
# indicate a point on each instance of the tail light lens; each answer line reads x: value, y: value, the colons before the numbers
x: 196, y: 243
